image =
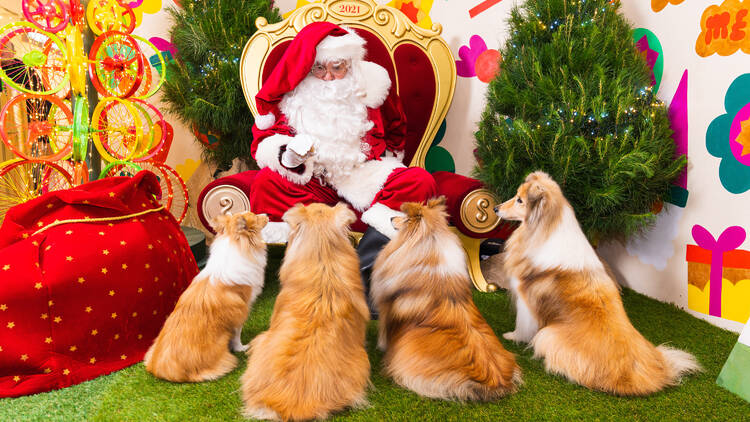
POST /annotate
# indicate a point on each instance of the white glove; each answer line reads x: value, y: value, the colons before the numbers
x: 301, y: 144
x: 291, y: 159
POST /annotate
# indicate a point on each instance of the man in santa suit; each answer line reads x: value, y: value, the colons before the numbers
x: 327, y: 131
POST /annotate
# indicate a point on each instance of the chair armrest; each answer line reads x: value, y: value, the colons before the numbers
x: 225, y: 195
x: 471, y: 206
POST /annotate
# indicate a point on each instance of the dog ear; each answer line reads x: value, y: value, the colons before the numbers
x: 219, y: 223
x: 436, y: 202
x: 412, y: 209
x: 262, y: 220
x: 293, y: 216
x: 537, y: 175
x: 344, y: 215
x: 536, y: 196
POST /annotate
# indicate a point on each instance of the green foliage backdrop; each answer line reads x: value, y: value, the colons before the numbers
x: 203, y: 87
x: 573, y: 98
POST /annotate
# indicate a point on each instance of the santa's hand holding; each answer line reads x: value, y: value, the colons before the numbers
x: 328, y: 131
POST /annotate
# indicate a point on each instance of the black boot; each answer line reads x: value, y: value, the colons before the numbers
x: 369, y: 247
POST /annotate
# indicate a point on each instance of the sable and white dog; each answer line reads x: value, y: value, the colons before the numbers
x: 312, y: 360
x: 435, y: 340
x: 568, y: 305
x: 194, y: 342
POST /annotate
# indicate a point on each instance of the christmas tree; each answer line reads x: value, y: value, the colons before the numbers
x: 574, y: 99
x: 203, y: 85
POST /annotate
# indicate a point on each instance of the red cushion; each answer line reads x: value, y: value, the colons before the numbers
x: 455, y: 188
x: 84, y: 298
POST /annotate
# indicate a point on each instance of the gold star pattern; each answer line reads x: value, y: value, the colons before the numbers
x: 44, y: 316
x: 744, y: 137
x: 16, y: 378
x: 69, y: 232
x: 3, y: 307
x: 140, y: 290
x: 160, y: 293
x: 110, y: 225
x: 117, y: 336
x: 105, y: 252
x: 81, y: 280
x: 135, y: 314
x: 104, y: 271
x: 25, y: 235
x: 6, y: 267
x: 154, y: 312
x: 66, y: 371
x: 24, y: 357
x: 147, y: 266
x: 92, y: 361
x: 50, y: 205
x: 39, y: 224
x: 48, y: 248
x: 140, y: 336
x: 73, y: 348
x: 156, y: 279
x: 94, y: 332
x: 111, y: 194
x: 101, y: 233
x: 88, y: 309
x: 111, y: 292
x: 50, y: 303
x: 150, y: 246
x: 47, y: 370
x: 38, y: 286
x: 48, y: 340
x: 123, y: 357
x: 57, y: 319
x: 69, y: 258
x: 123, y: 243
x: 124, y: 266
x: 11, y: 324
x: 1, y: 348
x: 114, y: 315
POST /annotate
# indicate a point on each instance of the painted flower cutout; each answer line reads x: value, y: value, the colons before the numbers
x: 477, y: 60
x: 728, y: 137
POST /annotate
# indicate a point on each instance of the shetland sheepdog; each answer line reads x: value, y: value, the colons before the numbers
x: 436, y: 342
x: 312, y: 360
x: 207, y: 321
x: 568, y: 305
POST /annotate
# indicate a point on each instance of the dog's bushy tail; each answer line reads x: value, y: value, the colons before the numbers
x: 680, y: 363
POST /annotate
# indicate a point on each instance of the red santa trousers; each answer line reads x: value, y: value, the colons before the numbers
x: 272, y: 194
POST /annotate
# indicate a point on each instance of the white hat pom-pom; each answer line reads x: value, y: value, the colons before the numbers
x: 265, y: 121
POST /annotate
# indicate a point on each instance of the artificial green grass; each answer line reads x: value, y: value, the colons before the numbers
x: 134, y: 395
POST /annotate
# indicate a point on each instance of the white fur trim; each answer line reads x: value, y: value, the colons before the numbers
x: 365, y: 181
x: 267, y: 155
x: 379, y: 217
x: 276, y: 232
x: 350, y: 47
x: 227, y: 265
x: 376, y: 83
x: 398, y: 154
x: 265, y: 121
x: 566, y: 247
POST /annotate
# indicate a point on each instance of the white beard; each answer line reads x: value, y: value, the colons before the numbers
x: 333, y: 114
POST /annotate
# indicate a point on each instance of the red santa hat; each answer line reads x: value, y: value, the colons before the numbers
x: 318, y: 41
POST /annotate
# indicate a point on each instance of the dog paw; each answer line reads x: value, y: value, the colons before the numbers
x: 240, y: 347
x: 510, y: 335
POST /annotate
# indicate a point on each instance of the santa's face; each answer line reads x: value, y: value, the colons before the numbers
x: 331, y: 70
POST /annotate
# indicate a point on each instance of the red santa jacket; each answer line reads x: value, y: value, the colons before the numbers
x: 388, y: 132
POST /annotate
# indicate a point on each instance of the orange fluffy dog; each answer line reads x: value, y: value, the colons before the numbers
x: 194, y: 342
x: 568, y: 306
x: 435, y: 340
x: 312, y: 360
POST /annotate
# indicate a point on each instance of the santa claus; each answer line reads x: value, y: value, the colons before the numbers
x: 328, y: 131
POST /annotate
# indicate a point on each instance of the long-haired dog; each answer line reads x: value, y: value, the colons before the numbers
x: 194, y: 342
x: 568, y: 305
x: 436, y: 342
x: 312, y: 360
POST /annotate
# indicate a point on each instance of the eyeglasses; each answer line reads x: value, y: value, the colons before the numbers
x: 337, y: 69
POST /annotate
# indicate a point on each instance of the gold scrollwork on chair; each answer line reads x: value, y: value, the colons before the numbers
x: 224, y: 199
x: 478, y: 211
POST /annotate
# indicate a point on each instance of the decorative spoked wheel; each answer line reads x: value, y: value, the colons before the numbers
x: 37, y: 127
x: 154, y: 68
x: 109, y: 15
x: 117, y: 130
x: 154, y: 130
x: 24, y: 180
x: 25, y: 60
x: 49, y: 15
x: 116, y: 65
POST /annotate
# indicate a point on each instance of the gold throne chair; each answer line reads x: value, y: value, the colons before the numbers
x: 423, y: 72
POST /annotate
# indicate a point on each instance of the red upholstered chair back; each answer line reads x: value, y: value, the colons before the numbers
x: 421, y: 66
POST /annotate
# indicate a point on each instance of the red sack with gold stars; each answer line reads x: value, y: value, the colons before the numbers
x: 87, y: 277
